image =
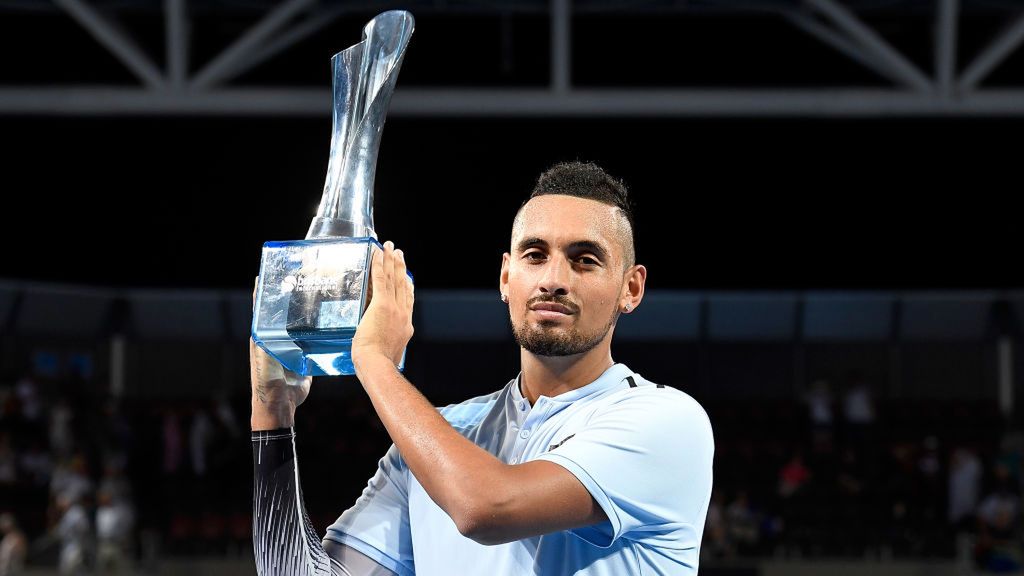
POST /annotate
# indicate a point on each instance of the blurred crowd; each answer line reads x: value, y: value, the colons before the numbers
x: 93, y: 484
x: 840, y: 474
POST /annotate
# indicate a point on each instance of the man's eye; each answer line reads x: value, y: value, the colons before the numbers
x: 533, y: 256
x: 587, y: 260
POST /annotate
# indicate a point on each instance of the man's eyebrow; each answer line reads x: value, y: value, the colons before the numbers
x: 530, y: 243
x: 578, y: 245
x: 590, y: 246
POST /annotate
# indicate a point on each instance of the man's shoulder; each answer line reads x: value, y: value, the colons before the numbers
x: 470, y: 412
x: 654, y: 400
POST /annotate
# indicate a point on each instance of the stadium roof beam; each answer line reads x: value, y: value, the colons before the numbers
x: 175, y: 92
x: 946, y: 45
x: 993, y: 55
x: 424, y: 102
x: 113, y: 38
x: 873, y: 43
x: 219, y: 68
x: 177, y: 35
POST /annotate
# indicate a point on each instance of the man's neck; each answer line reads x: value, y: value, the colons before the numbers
x: 553, y: 375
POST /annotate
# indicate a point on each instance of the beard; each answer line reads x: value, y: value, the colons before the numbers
x: 541, y: 341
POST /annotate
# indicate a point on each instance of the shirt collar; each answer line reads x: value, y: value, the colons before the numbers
x: 611, y: 377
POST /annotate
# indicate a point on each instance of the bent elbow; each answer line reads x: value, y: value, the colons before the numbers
x: 482, y: 528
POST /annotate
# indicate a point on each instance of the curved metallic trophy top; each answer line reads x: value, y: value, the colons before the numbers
x: 364, y: 79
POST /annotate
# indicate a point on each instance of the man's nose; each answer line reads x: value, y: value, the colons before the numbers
x: 556, y: 277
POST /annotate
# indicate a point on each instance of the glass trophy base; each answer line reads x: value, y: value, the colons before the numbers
x: 309, y: 299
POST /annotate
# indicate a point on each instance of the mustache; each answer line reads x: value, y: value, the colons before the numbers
x: 562, y: 300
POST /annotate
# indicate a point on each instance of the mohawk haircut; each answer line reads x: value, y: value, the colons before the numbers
x: 588, y: 180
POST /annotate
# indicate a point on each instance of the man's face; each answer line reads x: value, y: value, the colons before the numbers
x: 564, y: 276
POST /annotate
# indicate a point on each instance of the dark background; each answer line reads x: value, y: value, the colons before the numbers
x: 877, y: 202
x: 720, y: 203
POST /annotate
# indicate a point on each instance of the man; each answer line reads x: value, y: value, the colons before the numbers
x: 577, y: 466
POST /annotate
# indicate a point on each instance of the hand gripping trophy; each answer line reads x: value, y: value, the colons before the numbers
x: 311, y: 293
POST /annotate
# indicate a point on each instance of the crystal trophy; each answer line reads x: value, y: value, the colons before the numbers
x: 311, y: 293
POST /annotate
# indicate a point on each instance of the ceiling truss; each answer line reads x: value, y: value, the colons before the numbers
x: 168, y: 89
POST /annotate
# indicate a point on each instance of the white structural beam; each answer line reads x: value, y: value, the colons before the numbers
x: 992, y: 55
x: 561, y: 45
x: 842, y: 44
x: 870, y: 40
x: 297, y: 33
x: 218, y: 69
x: 176, y: 32
x: 114, y: 39
x: 947, y: 17
x: 412, y: 102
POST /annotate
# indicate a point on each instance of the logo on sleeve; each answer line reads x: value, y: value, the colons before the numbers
x: 564, y: 440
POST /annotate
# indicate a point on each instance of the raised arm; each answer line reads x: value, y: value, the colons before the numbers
x: 489, y: 501
x: 284, y: 541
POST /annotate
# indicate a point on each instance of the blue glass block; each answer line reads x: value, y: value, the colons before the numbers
x: 310, y: 297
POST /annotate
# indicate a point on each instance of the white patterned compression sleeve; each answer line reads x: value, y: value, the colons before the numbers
x: 284, y: 541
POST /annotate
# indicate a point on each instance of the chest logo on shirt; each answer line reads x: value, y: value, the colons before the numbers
x: 564, y: 440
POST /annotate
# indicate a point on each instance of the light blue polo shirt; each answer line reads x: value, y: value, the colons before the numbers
x: 643, y: 451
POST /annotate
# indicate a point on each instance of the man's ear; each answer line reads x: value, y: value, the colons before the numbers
x: 633, y: 288
x: 506, y: 258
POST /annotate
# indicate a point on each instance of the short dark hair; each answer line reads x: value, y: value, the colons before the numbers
x: 588, y: 180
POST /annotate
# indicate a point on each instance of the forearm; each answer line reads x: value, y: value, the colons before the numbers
x: 271, y: 415
x: 463, y: 479
x: 276, y: 392
x: 284, y: 541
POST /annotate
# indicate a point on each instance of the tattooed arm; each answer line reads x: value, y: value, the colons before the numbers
x: 284, y: 541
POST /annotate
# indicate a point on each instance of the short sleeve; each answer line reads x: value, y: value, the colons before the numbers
x: 646, y: 458
x: 377, y: 525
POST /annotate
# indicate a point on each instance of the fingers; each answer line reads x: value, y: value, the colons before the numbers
x: 404, y: 287
x: 390, y: 276
x: 376, y: 274
x: 389, y: 267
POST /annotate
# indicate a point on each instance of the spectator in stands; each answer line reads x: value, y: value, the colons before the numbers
x: 998, y: 522
x: 116, y: 432
x: 114, y: 483
x: 820, y: 415
x: 61, y: 433
x: 28, y: 396
x: 172, y: 442
x: 793, y: 476
x: 964, y: 487
x: 858, y: 414
x: 71, y: 479
x: 13, y: 546
x: 820, y: 404
x: 199, y: 438
x: 743, y: 524
x: 75, y: 534
x: 716, y: 536
x: 35, y: 464
x: 115, y: 520
x: 1011, y: 455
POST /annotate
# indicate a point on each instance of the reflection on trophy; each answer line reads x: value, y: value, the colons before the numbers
x: 312, y: 292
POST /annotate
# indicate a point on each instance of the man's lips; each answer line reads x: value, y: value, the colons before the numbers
x: 551, y: 309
